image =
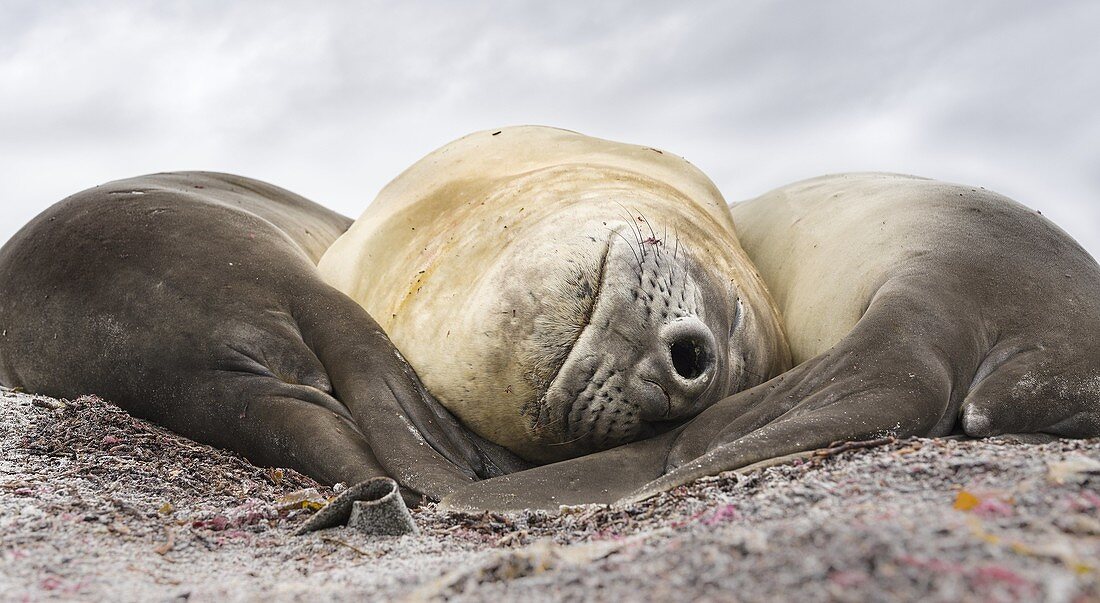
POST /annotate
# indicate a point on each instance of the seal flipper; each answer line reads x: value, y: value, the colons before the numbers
x: 288, y: 431
x: 1038, y: 390
x: 856, y: 420
x: 414, y: 438
x: 865, y: 387
x: 735, y: 416
x: 599, y: 478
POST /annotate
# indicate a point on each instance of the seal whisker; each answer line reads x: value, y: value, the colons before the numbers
x: 634, y: 229
x: 652, y: 235
x: 638, y: 230
x: 576, y: 439
x: 675, y: 257
x: 629, y: 246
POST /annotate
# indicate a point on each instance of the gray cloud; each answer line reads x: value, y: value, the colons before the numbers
x: 332, y: 100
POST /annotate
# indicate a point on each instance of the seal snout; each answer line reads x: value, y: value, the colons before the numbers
x: 650, y: 353
x: 686, y: 361
x: 690, y: 351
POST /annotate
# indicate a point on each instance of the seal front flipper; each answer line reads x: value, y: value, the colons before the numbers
x: 1039, y: 389
x: 416, y: 440
x: 867, y: 386
x: 287, y: 428
x: 599, y: 478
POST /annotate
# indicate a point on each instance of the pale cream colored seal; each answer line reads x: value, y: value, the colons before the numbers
x: 560, y: 293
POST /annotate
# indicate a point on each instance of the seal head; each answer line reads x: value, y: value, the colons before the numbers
x: 561, y: 294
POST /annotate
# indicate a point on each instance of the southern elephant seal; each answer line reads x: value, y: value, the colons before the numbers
x: 193, y: 299
x: 912, y: 307
x: 561, y: 294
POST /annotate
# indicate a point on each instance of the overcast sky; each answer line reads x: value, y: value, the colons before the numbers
x: 332, y: 100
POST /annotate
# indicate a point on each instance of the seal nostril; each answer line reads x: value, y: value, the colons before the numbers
x: 689, y: 357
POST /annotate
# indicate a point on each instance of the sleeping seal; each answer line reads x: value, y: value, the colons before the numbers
x: 561, y: 294
x: 912, y: 308
x: 193, y: 299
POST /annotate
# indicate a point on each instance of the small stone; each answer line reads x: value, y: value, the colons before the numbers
x: 275, y: 474
x: 308, y: 498
x: 218, y: 523
x: 1080, y: 524
x: 48, y: 403
x: 1076, y: 469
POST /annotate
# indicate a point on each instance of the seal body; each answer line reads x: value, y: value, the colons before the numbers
x: 912, y: 307
x: 193, y: 299
x: 561, y: 294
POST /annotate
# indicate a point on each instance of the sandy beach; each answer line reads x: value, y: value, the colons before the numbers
x: 97, y: 505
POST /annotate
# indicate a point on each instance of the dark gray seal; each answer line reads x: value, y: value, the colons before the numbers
x: 193, y: 300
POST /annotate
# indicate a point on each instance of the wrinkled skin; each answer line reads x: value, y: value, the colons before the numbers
x: 192, y: 299
x: 965, y: 312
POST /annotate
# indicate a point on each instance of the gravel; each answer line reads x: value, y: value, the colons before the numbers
x: 95, y: 504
